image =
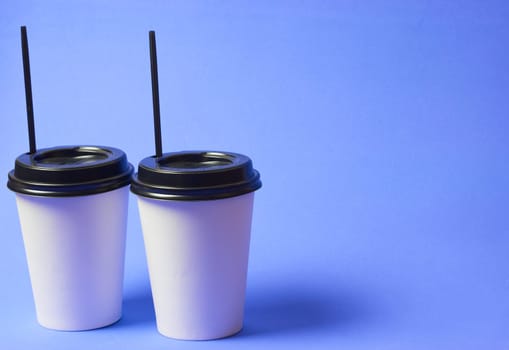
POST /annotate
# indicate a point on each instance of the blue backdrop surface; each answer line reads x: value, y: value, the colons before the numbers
x: 379, y: 128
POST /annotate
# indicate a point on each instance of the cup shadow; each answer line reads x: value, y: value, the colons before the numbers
x: 138, y: 309
x: 297, y: 309
x: 301, y: 309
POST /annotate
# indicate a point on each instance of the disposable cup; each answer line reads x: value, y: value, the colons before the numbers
x: 196, y: 210
x: 72, y: 205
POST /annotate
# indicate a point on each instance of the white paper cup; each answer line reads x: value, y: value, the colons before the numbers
x: 72, y: 205
x: 75, y: 253
x: 197, y: 254
x: 197, y: 240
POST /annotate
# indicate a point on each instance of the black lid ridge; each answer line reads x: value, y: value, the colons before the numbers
x: 195, y: 175
x: 70, y: 171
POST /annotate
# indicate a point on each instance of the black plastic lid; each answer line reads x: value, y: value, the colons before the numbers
x: 195, y: 175
x: 70, y: 171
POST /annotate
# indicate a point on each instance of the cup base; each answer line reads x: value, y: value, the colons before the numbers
x: 79, y: 328
x: 197, y: 337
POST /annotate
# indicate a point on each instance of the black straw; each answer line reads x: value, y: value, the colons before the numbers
x: 155, y: 93
x: 28, y: 90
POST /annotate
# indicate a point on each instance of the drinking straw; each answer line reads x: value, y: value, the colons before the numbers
x: 28, y: 90
x: 155, y: 94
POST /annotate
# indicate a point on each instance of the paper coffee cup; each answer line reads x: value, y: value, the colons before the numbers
x: 72, y: 205
x: 195, y: 210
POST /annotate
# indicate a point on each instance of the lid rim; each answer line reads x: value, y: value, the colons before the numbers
x: 65, y: 190
x: 119, y: 177
x: 76, y: 193
x: 192, y: 195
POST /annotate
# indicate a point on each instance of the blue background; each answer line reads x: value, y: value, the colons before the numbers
x: 379, y: 128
